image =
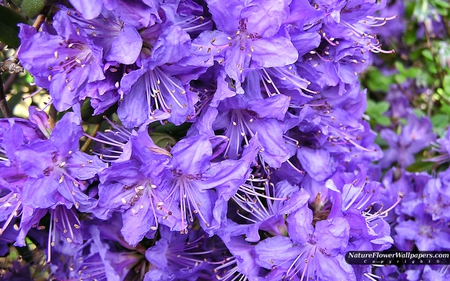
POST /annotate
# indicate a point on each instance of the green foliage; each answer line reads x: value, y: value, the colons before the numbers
x: 31, y: 8
x: 8, y: 26
x: 376, y: 81
x: 376, y: 111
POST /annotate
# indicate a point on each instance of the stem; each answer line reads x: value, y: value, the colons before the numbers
x: 9, y: 82
x: 88, y: 142
x: 52, y: 116
x: 3, y: 104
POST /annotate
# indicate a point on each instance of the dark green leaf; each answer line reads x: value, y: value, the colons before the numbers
x: 420, y: 166
x: 163, y: 140
x: 32, y: 7
x: 9, y: 36
x: 440, y: 120
x: 446, y: 85
x: 383, y: 120
x: 8, y: 26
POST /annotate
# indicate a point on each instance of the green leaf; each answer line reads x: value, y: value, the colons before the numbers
x: 163, y: 140
x: 8, y: 26
x: 383, y: 120
x: 400, y: 78
x: 399, y: 66
x: 445, y: 108
x: 87, y: 112
x: 376, y: 81
x: 412, y: 72
x: 420, y: 167
x: 442, y: 7
x: 439, y: 120
x: 375, y: 110
x: 446, y: 85
x: 419, y: 113
x: 427, y: 54
x: 32, y: 7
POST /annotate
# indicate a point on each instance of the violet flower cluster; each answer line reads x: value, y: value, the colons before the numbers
x: 420, y: 221
x: 274, y: 178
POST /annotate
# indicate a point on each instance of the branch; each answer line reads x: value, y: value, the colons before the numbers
x: 3, y: 104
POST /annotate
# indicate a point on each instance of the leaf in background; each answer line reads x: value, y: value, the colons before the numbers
x: 8, y: 26
x: 446, y: 85
x: 440, y: 123
x: 376, y: 81
x: 376, y: 111
x: 32, y: 7
x: 420, y: 166
x: 163, y: 140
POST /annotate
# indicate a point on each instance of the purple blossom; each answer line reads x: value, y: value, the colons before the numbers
x: 62, y: 59
x: 56, y: 169
x: 414, y: 137
x: 247, y: 39
x: 309, y: 252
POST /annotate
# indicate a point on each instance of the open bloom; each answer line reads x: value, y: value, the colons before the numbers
x: 61, y: 58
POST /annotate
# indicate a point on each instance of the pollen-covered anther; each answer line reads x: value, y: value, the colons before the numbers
x: 56, y: 54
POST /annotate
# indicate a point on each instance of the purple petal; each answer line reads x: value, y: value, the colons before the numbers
x: 192, y: 155
x: 225, y: 14
x: 126, y: 47
x: 88, y: 8
x: 273, y: 52
x: 317, y: 162
x: 83, y: 166
x: 264, y: 17
x: 172, y: 45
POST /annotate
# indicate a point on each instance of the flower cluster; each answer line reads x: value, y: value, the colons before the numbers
x: 273, y: 177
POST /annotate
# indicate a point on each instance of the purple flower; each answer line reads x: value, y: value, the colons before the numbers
x: 176, y: 256
x: 138, y: 13
x: 309, y: 252
x: 120, y: 41
x: 61, y: 59
x: 422, y: 232
x: 415, y: 136
x: 193, y: 182
x: 263, y: 206
x: 56, y: 169
x: 246, y: 38
x: 154, y: 94
x: 242, y: 117
x: 130, y: 187
x: 240, y: 262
